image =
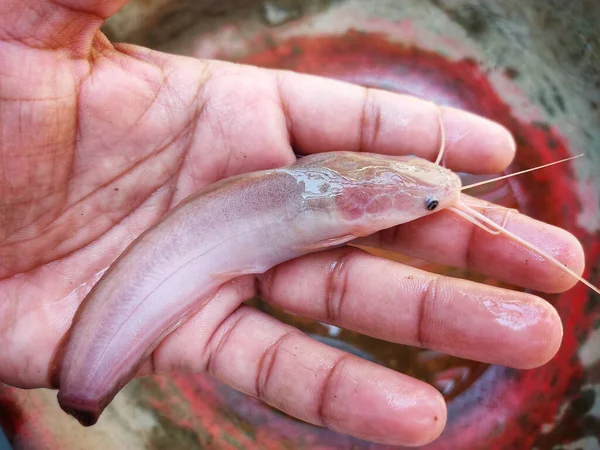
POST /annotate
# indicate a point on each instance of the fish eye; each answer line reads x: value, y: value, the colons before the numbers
x: 431, y: 203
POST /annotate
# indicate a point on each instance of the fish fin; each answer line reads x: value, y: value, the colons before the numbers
x: 223, y: 277
x: 326, y: 243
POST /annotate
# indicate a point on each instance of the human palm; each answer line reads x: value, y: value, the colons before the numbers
x: 98, y: 142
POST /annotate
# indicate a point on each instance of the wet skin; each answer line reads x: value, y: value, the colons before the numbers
x: 98, y: 142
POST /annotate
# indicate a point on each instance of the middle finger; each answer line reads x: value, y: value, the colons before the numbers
x: 448, y: 239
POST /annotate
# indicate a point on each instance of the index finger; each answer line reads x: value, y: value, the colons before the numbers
x: 326, y: 115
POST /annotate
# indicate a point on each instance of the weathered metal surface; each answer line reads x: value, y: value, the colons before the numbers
x: 533, y: 66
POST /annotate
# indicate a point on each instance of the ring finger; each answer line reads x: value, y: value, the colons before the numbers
x: 386, y: 300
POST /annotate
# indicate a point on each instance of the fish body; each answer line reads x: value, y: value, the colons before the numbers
x: 242, y: 225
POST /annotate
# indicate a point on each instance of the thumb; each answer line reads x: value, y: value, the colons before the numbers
x: 55, y: 24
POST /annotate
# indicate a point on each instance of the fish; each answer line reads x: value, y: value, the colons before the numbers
x: 245, y: 224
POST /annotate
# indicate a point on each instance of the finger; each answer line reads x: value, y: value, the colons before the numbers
x: 52, y: 24
x: 390, y: 301
x: 326, y: 115
x: 448, y: 239
x: 264, y: 358
x: 321, y: 385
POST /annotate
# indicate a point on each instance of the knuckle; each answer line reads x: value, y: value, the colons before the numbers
x: 390, y: 237
x: 266, y: 364
x: 328, y: 393
x: 428, y: 302
x: 336, y: 286
x: 220, y: 337
x: 470, y: 255
x: 370, y: 121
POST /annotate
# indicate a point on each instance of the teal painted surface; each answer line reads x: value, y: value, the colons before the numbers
x: 4, y: 445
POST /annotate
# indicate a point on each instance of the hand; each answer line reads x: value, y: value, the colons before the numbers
x: 98, y: 141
